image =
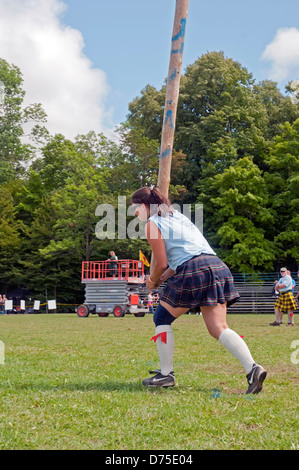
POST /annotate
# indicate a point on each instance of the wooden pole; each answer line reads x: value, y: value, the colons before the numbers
x: 172, y: 94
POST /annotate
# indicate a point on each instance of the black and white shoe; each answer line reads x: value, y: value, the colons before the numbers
x: 255, y: 379
x: 159, y: 380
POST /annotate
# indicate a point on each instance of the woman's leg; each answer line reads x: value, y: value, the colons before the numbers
x: 215, y: 320
x: 164, y: 338
x: 174, y: 311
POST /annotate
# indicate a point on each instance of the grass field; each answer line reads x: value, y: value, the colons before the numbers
x: 75, y: 383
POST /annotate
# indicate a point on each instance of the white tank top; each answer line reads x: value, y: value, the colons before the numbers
x: 182, y: 238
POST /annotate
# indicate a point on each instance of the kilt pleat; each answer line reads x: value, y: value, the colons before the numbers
x: 202, y: 281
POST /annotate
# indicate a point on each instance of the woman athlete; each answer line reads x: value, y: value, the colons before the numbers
x: 196, y: 278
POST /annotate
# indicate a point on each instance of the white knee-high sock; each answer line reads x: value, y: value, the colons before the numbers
x: 165, y: 350
x: 237, y: 346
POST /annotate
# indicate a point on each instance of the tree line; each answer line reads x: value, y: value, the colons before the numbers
x: 236, y: 153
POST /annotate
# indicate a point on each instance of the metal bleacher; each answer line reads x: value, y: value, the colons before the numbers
x: 256, y: 291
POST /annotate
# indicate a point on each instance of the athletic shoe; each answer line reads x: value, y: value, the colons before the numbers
x: 255, y: 379
x: 160, y: 380
x: 275, y: 323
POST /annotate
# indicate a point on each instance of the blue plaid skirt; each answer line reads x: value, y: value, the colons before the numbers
x: 202, y: 281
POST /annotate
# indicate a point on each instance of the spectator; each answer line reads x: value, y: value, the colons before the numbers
x: 4, y: 312
x: 285, y: 301
x: 293, y: 282
x: 291, y: 314
x: 150, y: 300
x: 113, y: 264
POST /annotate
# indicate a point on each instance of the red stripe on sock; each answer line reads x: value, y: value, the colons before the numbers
x: 163, y: 337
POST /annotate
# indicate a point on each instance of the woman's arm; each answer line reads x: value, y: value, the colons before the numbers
x: 159, y: 260
x: 166, y: 275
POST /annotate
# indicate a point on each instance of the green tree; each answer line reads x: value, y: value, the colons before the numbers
x: 10, y: 241
x: 238, y: 217
x: 222, y: 112
x: 146, y: 112
x: 135, y: 162
x: 279, y: 108
x: 218, y: 105
x: 282, y: 180
x: 40, y: 273
x: 12, y: 118
x: 28, y: 194
x: 68, y: 183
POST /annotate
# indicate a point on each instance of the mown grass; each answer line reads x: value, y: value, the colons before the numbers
x: 73, y: 383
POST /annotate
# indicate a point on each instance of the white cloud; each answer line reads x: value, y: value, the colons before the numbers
x: 55, y: 69
x: 283, y: 54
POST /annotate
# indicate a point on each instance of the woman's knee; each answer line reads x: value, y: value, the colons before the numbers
x: 162, y: 316
x: 216, y: 330
x: 215, y: 319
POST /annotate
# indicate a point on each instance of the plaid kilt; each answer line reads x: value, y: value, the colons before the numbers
x: 285, y: 302
x: 204, y: 280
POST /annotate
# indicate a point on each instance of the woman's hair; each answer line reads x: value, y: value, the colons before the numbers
x: 153, y: 199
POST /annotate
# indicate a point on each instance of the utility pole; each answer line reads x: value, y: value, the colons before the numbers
x: 172, y: 94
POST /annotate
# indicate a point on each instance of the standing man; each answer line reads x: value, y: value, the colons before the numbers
x: 113, y: 264
x: 285, y: 301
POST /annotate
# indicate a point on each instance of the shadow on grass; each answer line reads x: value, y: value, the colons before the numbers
x: 118, y: 386
x: 107, y: 386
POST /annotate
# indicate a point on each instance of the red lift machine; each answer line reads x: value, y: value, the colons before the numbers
x: 118, y: 290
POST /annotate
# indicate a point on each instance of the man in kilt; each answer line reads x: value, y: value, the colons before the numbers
x: 285, y: 301
x: 197, y: 278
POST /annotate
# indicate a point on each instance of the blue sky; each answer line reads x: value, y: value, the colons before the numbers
x: 85, y: 60
x: 130, y: 40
